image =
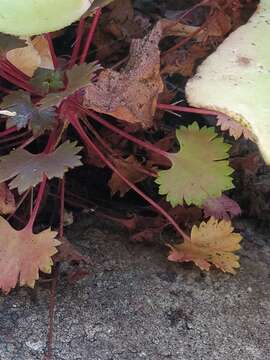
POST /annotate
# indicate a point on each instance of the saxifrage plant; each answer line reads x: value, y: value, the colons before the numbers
x: 64, y: 94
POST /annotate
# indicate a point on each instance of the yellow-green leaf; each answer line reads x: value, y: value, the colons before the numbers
x: 211, y: 243
x: 199, y: 170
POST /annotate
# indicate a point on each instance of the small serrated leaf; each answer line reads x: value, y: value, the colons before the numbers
x: 26, y: 114
x: 23, y: 254
x: 211, y: 243
x: 236, y: 129
x: 199, y: 170
x: 78, y: 78
x: 221, y: 208
x: 45, y: 80
x: 27, y: 169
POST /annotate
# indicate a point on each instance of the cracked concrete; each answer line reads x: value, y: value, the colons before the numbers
x: 136, y: 305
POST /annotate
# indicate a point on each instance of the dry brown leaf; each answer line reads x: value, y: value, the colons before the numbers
x: 183, y: 62
x: 221, y: 208
x: 36, y: 54
x: 40, y: 43
x: 7, y: 200
x: 68, y: 252
x: 235, y: 128
x: 176, y: 28
x: 217, y: 25
x: 23, y: 254
x: 131, y: 95
x: 211, y: 243
x: 130, y: 168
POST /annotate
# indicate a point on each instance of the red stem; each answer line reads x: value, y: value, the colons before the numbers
x: 42, y: 187
x: 190, y: 10
x: 27, y: 142
x: 16, y: 81
x: 91, y: 146
x: 15, y: 70
x: 182, y: 42
x: 97, y: 136
x: 186, y: 109
x: 78, y: 41
x: 62, y: 207
x: 7, y: 132
x: 90, y: 35
x: 18, y: 205
x: 52, y: 50
x: 111, y: 152
x: 17, y: 136
x: 40, y: 195
x: 127, y: 136
x: 5, y: 90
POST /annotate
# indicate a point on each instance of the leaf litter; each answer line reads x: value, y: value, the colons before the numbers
x: 196, y: 174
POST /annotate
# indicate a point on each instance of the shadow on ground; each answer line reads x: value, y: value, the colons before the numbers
x: 136, y: 305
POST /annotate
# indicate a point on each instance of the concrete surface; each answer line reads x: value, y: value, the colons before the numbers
x: 136, y: 305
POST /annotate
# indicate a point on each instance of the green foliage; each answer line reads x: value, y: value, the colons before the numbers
x: 77, y: 79
x: 199, y: 170
x: 45, y: 80
x: 43, y: 116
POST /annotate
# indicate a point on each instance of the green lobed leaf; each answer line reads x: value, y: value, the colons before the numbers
x: 199, y: 170
x: 78, y: 78
x: 27, y: 169
x: 46, y: 80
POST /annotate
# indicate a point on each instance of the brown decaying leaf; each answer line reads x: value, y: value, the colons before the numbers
x: 149, y: 228
x: 68, y: 252
x: 7, y: 200
x: 221, y: 208
x: 118, y: 27
x: 23, y: 254
x: 183, y: 61
x: 132, y: 169
x: 35, y: 54
x: 216, y: 27
x: 235, y: 128
x: 249, y: 163
x: 211, y: 243
x: 131, y: 95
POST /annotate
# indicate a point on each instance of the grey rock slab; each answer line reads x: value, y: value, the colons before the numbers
x: 137, y: 305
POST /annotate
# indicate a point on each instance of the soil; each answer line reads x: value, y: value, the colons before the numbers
x: 137, y: 305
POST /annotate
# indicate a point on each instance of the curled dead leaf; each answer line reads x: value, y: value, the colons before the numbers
x: 131, y: 94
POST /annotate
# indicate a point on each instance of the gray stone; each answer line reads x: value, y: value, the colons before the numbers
x: 137, y: 305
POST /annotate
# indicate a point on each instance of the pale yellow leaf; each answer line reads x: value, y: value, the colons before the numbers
x: 211, y: 243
